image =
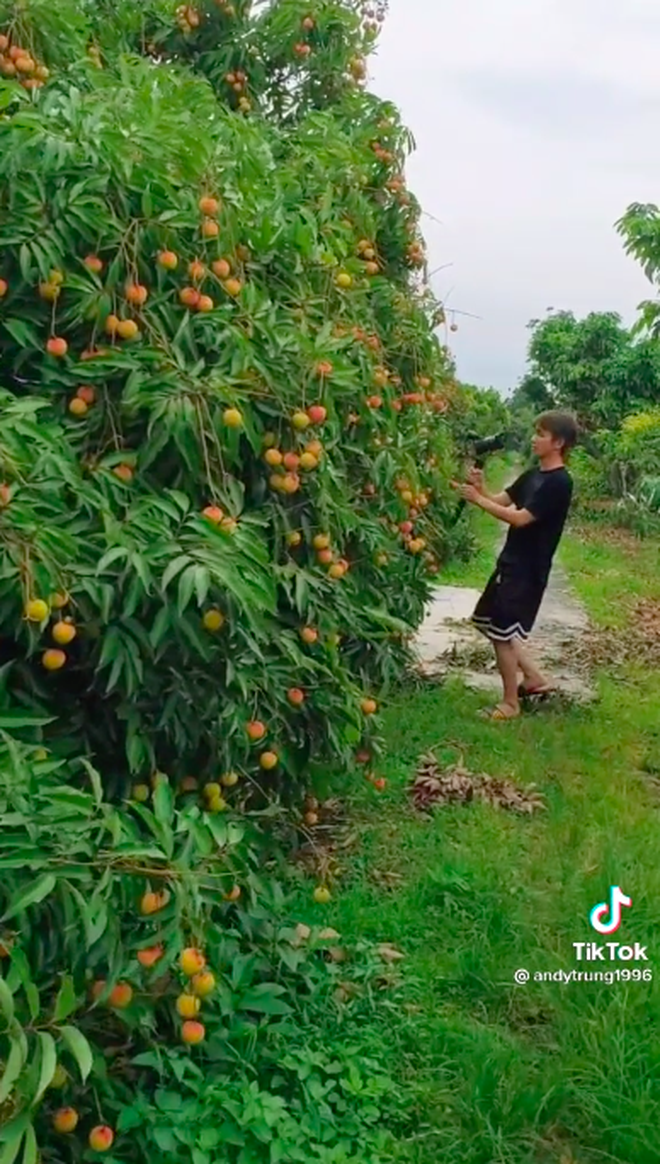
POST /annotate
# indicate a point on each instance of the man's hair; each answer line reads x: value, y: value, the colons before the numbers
x: 561, y: 425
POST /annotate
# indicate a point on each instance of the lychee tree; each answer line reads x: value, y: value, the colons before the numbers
x: 202, y: 381
x: 224, y: 455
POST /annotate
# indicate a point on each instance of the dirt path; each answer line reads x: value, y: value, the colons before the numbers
x: 446, y: 642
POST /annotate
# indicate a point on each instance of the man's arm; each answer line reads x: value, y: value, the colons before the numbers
x: 507, y: 512
x: 499, y: 498
x: 553, y: 495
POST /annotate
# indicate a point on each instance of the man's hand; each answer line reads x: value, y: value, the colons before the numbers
x: 476, y: 478
x: 468, y: 492
x: 508, y: 513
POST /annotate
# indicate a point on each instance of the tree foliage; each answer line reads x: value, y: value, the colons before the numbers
x: 640, y: 229
x: 224, y: 452
x: 107, y: 499
x: 594, y: 366
x: 481, y: 411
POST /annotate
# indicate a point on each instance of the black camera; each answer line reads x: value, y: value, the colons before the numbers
x: 482, y: 447
x: 479, y: 449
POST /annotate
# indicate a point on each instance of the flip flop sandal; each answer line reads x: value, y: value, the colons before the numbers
x: 495, y: 714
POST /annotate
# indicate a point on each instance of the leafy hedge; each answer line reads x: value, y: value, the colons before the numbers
x: 224, y: 453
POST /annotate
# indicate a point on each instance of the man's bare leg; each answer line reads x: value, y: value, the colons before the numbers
x: 507, y: 665
x: 532, y: 676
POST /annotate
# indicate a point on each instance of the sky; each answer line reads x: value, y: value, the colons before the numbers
x: 536, y: 123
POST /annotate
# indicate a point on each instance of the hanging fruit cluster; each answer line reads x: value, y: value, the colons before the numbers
x: 188, y: 18
x: 21, y: 64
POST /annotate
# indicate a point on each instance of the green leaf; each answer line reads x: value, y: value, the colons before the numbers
x: 219, y: 830
x: 6, y: 1001
x: 13, y: 1068
x: 30, y: 894
x: 202, y: 584
x: 12, y: 1137
x: 30, y: 1152
x: 24, y: 335
x: 264, y: 999
x: 32, y: 996
x: 186, y: 587
x: 25, y: 262
x: 48, y: 1063
x: 165, y: 1140
x: 112, y: 555
x: 66, y: 1000
x: 8, y: 94
x: 160, y: 627
x: 12, y: 720
x: 79, y: 1048
x: 129, y: 1117
x: 175, y: 567
x: 95, y: 780
x: 163, y: 802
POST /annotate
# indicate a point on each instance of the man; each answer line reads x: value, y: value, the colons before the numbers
x: 535, y: 508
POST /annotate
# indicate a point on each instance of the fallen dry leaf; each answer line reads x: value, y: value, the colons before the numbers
x: 346, y: 991
x: 386, y: 878
x: 390, y: 953
x: 336, y: 954
x: 433, y: 785
x: 328, y: 935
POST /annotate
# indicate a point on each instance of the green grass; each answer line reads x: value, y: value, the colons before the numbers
x: 490, y: 1072
x: 611, y: 571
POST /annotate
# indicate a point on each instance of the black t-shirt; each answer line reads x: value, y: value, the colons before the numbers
x: 547, y: 495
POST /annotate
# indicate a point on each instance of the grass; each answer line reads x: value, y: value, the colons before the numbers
x: 490, y: 1072
x: 611, y: 571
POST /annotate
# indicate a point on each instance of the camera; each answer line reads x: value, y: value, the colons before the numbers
x: 482, y: 447
x: 479, y: 449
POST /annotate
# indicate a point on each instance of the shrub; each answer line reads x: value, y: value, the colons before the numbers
x: 592, y: 476
x: 639, y: 441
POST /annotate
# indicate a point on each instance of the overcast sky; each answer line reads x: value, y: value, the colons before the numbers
x: 537, y: 122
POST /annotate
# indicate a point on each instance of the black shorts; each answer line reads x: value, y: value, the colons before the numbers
x: 509, y: 605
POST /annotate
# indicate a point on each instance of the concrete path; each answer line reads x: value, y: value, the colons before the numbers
x: 446, y: 642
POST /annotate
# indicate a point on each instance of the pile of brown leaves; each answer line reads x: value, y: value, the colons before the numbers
x: 647, y: 618
x: 639, y: 642
x: 433, y: 785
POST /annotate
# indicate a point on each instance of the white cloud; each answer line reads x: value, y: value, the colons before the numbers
x: 535, y: 123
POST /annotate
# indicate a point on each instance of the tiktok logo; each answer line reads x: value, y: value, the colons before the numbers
x: 613, y: 907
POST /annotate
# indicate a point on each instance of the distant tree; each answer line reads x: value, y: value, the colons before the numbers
x: 595, y: 366
x: 532, y: 393
x: 479, y: 410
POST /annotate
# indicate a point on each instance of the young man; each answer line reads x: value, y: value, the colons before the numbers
x: 535, y: 508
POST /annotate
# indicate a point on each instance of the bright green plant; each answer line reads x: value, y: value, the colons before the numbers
x: 639, y: 441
